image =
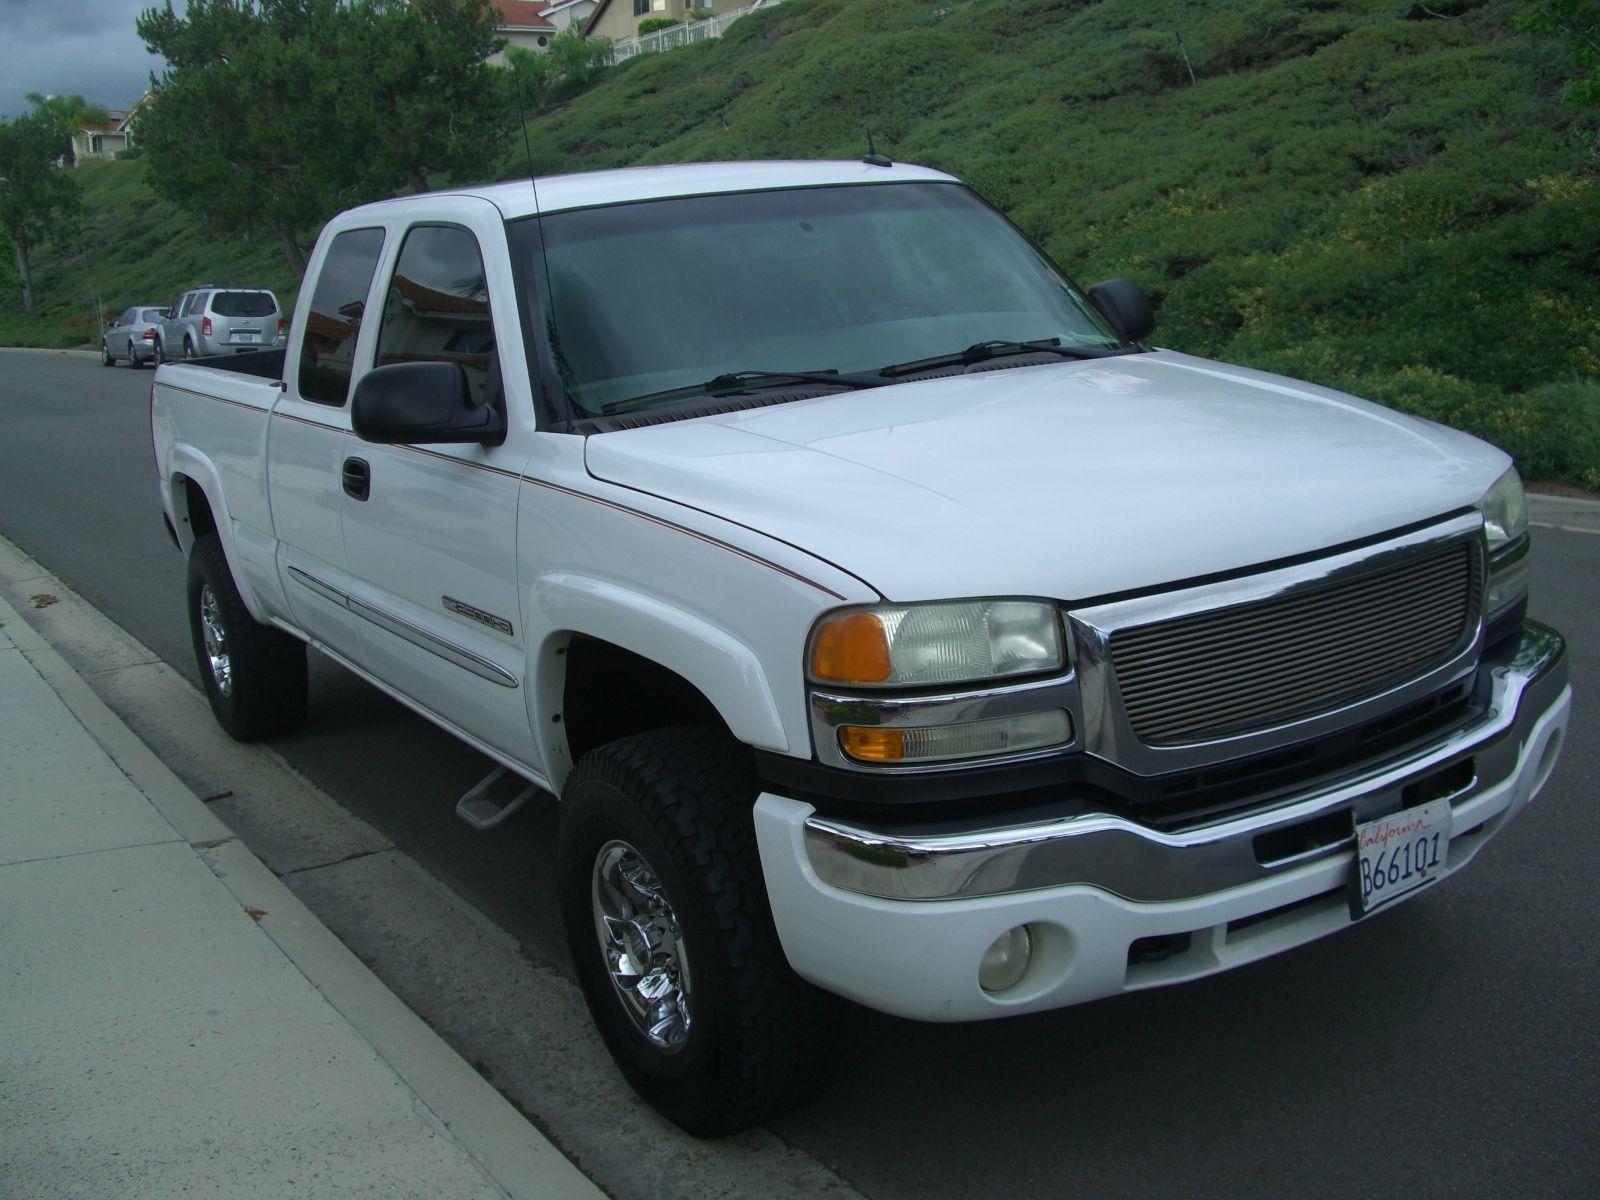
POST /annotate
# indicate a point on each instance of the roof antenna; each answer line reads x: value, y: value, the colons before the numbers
x: 873, y: 158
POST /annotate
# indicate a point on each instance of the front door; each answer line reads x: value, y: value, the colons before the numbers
x: 433, y: 546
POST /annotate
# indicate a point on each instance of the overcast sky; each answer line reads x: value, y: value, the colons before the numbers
x: 66, y: 46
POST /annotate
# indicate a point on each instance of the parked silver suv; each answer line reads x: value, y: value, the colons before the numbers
x: 215, y: 319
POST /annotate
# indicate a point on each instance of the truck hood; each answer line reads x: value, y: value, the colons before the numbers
x: 1070, y: 480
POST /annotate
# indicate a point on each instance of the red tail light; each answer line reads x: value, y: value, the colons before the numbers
x: 205, y: 326
x: 281, y: 326
x: 149, y: 335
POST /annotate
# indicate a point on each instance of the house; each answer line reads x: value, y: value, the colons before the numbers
x: 105, y: 139
x: 620, y: 19
x: 523, y: 23
x: 570, y: 14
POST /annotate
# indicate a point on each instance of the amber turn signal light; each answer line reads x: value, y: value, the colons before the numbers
x: 873, y: 745
x: 851, y: 648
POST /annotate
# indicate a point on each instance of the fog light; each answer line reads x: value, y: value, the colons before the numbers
x: 1006, y: 960
x: 943, y: 743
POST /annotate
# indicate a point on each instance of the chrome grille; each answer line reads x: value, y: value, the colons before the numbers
x: 1231, y: 671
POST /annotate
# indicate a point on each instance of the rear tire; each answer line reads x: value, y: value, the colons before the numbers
x: 253, y: 675
x: 752, y: 1038
x: 133, y: 357
x: 157, y: 356
x: 188, y: 348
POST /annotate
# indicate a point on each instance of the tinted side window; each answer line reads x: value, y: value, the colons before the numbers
x: 126, y: 318
x: 328, y: 343
x: 437, y: 307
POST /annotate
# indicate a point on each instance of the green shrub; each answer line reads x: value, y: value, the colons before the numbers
x: 651, y: 24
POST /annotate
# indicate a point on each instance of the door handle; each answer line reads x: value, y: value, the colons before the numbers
x: 357, y: 478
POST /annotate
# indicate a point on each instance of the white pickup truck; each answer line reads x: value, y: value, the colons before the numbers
x: 893, y: 621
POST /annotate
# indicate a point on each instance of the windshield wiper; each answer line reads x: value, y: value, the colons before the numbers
x: 738, y: 381
x: 983, y: 351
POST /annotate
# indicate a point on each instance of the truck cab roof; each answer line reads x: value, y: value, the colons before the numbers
x: 626, y: 185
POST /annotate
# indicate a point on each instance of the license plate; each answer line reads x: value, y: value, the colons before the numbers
x: 1396, y: 855
x: 247, y: 337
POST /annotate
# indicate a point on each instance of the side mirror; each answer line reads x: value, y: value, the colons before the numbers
x: 422, y: 402
x: 1125, y: 307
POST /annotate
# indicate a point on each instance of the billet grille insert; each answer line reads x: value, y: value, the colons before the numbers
x: 1247, y: 667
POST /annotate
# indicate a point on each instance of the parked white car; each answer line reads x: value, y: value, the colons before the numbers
x: 892, y: 619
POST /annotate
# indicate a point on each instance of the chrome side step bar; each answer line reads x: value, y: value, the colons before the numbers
x: 484, y: 812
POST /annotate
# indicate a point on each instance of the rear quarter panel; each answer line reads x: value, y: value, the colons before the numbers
x: 210, y: 425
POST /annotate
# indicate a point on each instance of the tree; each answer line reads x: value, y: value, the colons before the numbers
x: 243, y: 128
x: 38, y: 198
x: 432, y: 94
x: 570, y: 64
x: 282, y: 112
x: 71, y: 114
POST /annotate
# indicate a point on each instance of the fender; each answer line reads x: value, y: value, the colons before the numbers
x: 242, y: 546
x: 725, y: 670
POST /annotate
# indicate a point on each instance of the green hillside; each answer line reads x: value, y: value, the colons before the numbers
x: 1391, y: 205
x: 1376, y: 194
x: 131, y: 248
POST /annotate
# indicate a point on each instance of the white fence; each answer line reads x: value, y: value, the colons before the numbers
x: 682, y: 35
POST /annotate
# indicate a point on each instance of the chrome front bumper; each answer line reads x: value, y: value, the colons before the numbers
x: 901, y: 923
x: 1125, y: 858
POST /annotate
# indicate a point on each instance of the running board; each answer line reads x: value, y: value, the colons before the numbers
x: 482, y: 812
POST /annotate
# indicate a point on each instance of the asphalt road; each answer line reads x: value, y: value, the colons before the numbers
x: 1448, y: 1048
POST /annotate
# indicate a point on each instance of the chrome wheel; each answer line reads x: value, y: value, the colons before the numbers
x: 105, y: 355
x: 215, y: 634
x: 642, y: 944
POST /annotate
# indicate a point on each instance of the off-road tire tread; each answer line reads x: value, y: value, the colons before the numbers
x: 269, y: 666
x: 696, y: 787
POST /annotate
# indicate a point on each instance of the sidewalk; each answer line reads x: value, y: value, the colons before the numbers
x: 173, y: 1021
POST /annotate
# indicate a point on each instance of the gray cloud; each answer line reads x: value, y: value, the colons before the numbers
x: 66, y: 46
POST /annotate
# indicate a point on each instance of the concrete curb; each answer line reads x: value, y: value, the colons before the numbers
x: 515, y: 1154
x: 1574, y: 514
x: 50, y: 350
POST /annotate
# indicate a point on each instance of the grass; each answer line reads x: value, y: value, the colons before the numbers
x: 1356, y: 192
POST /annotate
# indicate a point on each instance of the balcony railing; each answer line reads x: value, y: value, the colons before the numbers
x: 682, y: 35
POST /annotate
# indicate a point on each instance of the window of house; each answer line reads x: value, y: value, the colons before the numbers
x: 328, y: 342
x: 437, y: 308
x: 640, y: 7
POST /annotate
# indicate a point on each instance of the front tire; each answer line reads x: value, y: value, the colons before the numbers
x: 105, y: 355
x: 253, y: 675
x: 668, y: 923
x: 158, y: 356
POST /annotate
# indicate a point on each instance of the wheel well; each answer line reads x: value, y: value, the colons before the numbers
x: 196, y: 511
x: 611, y: 693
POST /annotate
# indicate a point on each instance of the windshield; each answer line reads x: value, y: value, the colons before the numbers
x: 645, y: 298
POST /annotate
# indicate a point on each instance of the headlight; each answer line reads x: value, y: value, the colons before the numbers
x: 1505, y: 511
x: 921, y: 645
